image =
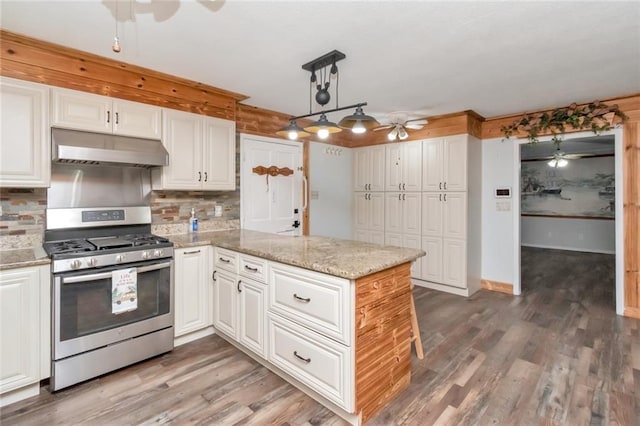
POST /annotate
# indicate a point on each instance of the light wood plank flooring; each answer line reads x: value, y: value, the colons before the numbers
x: 558, y: 355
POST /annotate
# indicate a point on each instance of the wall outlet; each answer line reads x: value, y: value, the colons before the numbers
x: 503, y: 206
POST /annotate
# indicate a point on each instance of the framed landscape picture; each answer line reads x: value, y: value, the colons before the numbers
x: 584, y: 188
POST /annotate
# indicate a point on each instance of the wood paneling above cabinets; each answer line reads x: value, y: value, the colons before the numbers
x: 26, y: 58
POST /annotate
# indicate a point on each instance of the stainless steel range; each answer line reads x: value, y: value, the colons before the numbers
x: 112, y: 295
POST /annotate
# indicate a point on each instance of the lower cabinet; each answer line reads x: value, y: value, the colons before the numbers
x: 446, y: 261
x: 367, y: 236
x: 25, y: 347
x: 192, y: 301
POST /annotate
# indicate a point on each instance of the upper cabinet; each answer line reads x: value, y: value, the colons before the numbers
x: 403, y: 171
x: 444, y: 163
x: 85, y: 111
x: 201, y: 153
x: 24, y: 136
x: 368, y: 168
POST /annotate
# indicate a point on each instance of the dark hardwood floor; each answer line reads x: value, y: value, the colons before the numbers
x: 558, y: 355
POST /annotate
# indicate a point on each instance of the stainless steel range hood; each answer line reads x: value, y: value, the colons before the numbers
x: 72, y: 146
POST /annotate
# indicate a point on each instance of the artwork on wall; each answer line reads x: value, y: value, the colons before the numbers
x: 585, y: 187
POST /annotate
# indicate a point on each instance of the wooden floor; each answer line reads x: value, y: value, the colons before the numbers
x: 556, y: 355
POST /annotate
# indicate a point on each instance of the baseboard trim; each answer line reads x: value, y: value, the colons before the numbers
x: 441, y: 287
x: 582, y: 250
x: 195, y: 335
x: 497, y: 286
x: 632, y: 312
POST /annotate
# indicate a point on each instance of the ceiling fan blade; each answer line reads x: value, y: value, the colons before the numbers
x: 384, y: 127
x: 413, y: 126
x: 419, y: 121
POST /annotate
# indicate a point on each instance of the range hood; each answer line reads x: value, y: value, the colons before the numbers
x: 72, y: 146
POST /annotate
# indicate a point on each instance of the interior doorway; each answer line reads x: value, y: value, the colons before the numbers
x: 570, y: 207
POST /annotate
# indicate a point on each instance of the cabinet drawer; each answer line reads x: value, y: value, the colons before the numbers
x: 318, y: 362
x: 226, y: 259
x: 318, y: 301
x: 253, y: 267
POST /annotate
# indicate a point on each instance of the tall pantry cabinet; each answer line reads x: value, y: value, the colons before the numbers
x: 368, y: 198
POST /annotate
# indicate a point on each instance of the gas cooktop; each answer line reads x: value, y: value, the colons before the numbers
x: 80, y: 246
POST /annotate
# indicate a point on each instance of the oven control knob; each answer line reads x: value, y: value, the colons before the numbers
x: 158, y: 252
x: 92, y: 262
x: 120, y: 258
x: 145, y: 255
x: 75, y: 264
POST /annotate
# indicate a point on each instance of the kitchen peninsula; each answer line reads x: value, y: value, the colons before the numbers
x: 331, y: 316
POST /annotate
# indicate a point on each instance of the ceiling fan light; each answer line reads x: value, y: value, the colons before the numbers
x: 552, y: 163
x: 323, y: 127
x: 359, y: 119
x: 393, y: 134
x: 562, y: 162
x: 292, y: 131
x: 402, y: 133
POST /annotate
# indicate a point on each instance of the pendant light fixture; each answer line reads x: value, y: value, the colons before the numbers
x: 116, y: 41
x: 323, y: 70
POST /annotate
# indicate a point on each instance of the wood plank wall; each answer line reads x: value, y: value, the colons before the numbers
x: 631, y: 175
x: 26, y: 58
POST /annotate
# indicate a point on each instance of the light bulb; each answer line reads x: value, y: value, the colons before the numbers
x: 562, y: 162
x: 116, y: 45
x: 293, y: 135
x: 358, y: 128
x: 552, y: 163
x: 323, y: 133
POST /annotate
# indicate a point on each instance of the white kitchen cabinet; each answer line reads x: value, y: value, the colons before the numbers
x: 192, y: 301
x: 367, y: 236
x: 201, y: 153
x: 431, y: 264
x: 368, y: 168
x: 25, y: 159
x: 444, y: 162
x: 369, y: 211
x: 454, y: 262
x: 444, y: 214
x: 24, y: 340
x: 403, y: 171
x: 72, y: 109
x: 239, y: 298
x: 402, y: 212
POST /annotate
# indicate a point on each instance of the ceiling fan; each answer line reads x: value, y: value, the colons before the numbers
x: 398, y: 123
x: 560, y: 159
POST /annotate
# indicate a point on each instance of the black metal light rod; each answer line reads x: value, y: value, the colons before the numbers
x: 329, y: 111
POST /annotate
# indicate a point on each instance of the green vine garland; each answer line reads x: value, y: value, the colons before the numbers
x: 595, y: 116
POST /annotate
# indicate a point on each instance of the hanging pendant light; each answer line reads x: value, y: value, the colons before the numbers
x: 358, y: 122
x: 323, y: 127
x: 116, y: 41
x: 292, y: 131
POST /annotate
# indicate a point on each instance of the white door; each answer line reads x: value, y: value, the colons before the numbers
x: 192, y: 299
x: 431, y: 268
x: 412, y: 166
x: 253, y: 324
x: 393, y: 169
x: 375, y: 205
x: 136, y: 119
x: 455, y: 163
x: 182, y: 136
x: 376, y: 168
x: 432, y: 205
x: 455, y: 215
x: 432, y: 161
x: 393, y: 239
x: 219, y: 154
x: 414, y: 241
x: 454, y: 266
x: 411, y: 212
x: 82, y: 111
x: 361, y: 210
x: 225, y: 303
x: 271, y: 203
x: 361, y: 166
x: 393, y: 212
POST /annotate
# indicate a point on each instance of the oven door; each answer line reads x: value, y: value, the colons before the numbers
x: 84, y: 315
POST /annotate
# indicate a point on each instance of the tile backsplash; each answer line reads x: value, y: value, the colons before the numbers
x: 22, y: 217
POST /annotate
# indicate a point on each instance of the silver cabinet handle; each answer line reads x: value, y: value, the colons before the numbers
x: 302, y: 299
x: 213, y: 276
x: 239, y: 289
x: 440, y: 186
x: 222, y: 259
x: 117, y: 118
x: 440, y: 197
x: 249, y: 268
x: 199, y: 176
x: 307, y: 360
x: 403, y: 186
x: 399, y: 186
x: 445, y: 185
x: 404, y: 197
x: 399, y: 197
x: 108, y: 116
x: 192, y: 252
x: 445, y: 197
x: 206, y: 178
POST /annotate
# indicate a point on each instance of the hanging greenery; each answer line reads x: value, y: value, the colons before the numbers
x: 595, y: 116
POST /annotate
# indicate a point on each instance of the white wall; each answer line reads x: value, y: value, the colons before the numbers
x: 330, y: 177
x: 569, y: 234
x: 497, y: 222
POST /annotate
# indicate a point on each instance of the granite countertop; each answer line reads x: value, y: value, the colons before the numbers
x: 341, y: 258
x: 22, y: 258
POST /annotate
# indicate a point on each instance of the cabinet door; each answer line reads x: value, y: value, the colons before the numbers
x: 182, y: 137
x: 19, y: 328
x: 431, y: 267
x: 192, y: 298
x: 376, y: 168
x: 393, y: 167
x: 219, y: 154
x: 375, y: 206
x: 454, y: 269
x: 361, y: 169
x: 376, y: 237
x: 25, y: 159
x: 414, y: 241
x: 225, y: 302
x: 252, y: 327
x: 411, y: 212
x: 393, y: 239
x: 432, y: 206
x: 361, y: 235
x: 393, y: 212
x: 81, y: 111
x: 455, y: 163
x: 412, y: 166
x: 136, y: 119
x: 454, y: 215
x: 432, y: 158
x: 361, y: 210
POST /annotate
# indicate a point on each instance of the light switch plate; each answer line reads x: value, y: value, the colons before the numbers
x: 315, y: 195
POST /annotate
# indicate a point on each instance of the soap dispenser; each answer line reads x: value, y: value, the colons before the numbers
x: 193, y: 221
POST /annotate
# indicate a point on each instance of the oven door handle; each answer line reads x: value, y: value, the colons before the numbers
x: 104, y: 275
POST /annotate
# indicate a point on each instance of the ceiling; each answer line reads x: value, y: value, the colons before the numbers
x: 425, y: 57
x: 592, y: 145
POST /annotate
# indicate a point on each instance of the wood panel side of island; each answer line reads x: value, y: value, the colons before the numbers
x: 383, y: 338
